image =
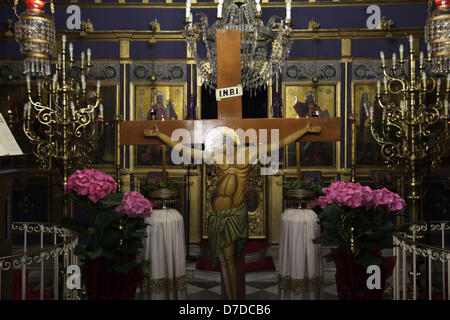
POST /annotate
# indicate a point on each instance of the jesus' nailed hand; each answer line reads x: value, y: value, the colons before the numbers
x: 226, y: 146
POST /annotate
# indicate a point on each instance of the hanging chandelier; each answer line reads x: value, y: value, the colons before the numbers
x: 437, y: 36
x: 264, y: 48
x: 35, y: 32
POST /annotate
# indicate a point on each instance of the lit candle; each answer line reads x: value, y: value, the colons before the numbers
x: 424, y: 79
x: 394, y: 59
x: 411, y: 42
x: 401, y: 49
x: 421, y: 59
x: 378, y: 87
x: 101, y: 110
x: 288, y: 11
x: 82, y: 59
x: 383, y: 63
x: 28, y: 82
x: 63, y: 42
x: 191, y: 19
x: 88, y: 52
x: 71, y: 51
x: 188, y: 8
x: 219, y: 9
x: 385, y: 83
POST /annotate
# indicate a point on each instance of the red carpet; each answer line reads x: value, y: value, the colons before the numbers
x: 255, y: 251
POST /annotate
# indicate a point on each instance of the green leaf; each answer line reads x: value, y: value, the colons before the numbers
x: 80, y: 227
x: 104, y: 219
x: 125, y: 265
x: 111, y: 201
x: 94, y: 254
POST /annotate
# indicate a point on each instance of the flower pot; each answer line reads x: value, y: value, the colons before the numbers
x: 299, y: 194
x: 102, y: 285
x: 163, y: 194
x: 351, y: 278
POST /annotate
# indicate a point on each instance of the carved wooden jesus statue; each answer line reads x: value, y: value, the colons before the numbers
x: 228, y: 224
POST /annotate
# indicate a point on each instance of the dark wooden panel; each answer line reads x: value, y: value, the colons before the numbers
x: 132, y: 132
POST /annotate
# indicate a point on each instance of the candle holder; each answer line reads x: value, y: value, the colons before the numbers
x: 66, y: 113
x: 415, y: 113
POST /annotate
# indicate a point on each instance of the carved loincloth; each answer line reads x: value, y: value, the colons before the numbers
x: 225, y: 227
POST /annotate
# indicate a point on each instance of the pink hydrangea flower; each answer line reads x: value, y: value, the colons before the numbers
x: 92, y: 183
x: 354, y: 195
x: 135, y: 205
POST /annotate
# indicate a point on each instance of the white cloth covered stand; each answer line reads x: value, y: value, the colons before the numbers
x: 300, y: 260
x: 164, y: 247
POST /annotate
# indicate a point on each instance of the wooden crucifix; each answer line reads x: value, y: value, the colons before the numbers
x: 228, y: 225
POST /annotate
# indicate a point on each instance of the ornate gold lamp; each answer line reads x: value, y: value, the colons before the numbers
x: 415, y: 117
x: 62, y: 118
x: 35, y: 32
x: 437, y: 36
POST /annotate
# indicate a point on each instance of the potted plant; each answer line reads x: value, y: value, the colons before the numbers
x: 157, y: 189
x: 301, y: 191
x: 113, y: 233
x: 357, y: 220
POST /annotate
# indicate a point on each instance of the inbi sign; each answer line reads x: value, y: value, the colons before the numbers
x: 229, y: 92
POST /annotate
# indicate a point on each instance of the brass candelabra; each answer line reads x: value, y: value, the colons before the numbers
x: 60, y: 119
x: 414, y: 122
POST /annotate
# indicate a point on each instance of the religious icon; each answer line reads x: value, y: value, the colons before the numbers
x: 166, y: 102
x: 308, y: 101
x: 367, y: 149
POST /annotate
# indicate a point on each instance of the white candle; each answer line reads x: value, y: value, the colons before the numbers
x: 401, y: 49
x: 424, y: 79
x: 421, y: 59
x: 258, y: 7
x: 394, y: 59
x: 63, y: 42
x: 402, y: 108
x: 378, y: 87
x: 72, y: 108
x: 29, y: 110
x: 385, y: 82
x: 71, y: 51
x: 188, y: 8
x: 101, y: 110
x: 411, y: 42
x: 82, y: 59
x: 288, y: 10
x: 88, y: 53
x: 429, y: 51
x: 98, y: 85
x: 446, y: 108
x: 55, y: 78
x: 438, y: 86
x: 219, y: 9
x: 25, y: 110
x: 83, y: 82
x: 383, y: 63
x: 39, y: 84
x: 28, y: 82
x: 371, y: 113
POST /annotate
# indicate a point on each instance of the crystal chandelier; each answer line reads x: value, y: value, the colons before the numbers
x: 264, y: 48
x: 415, y: 117
x: 35, y: 32
x: 437, y: 36
x: 63, y: 118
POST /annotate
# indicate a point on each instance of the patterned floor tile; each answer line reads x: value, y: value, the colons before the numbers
x: 261, y: 295
x: 263, y: 284
x: 204, y: 295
